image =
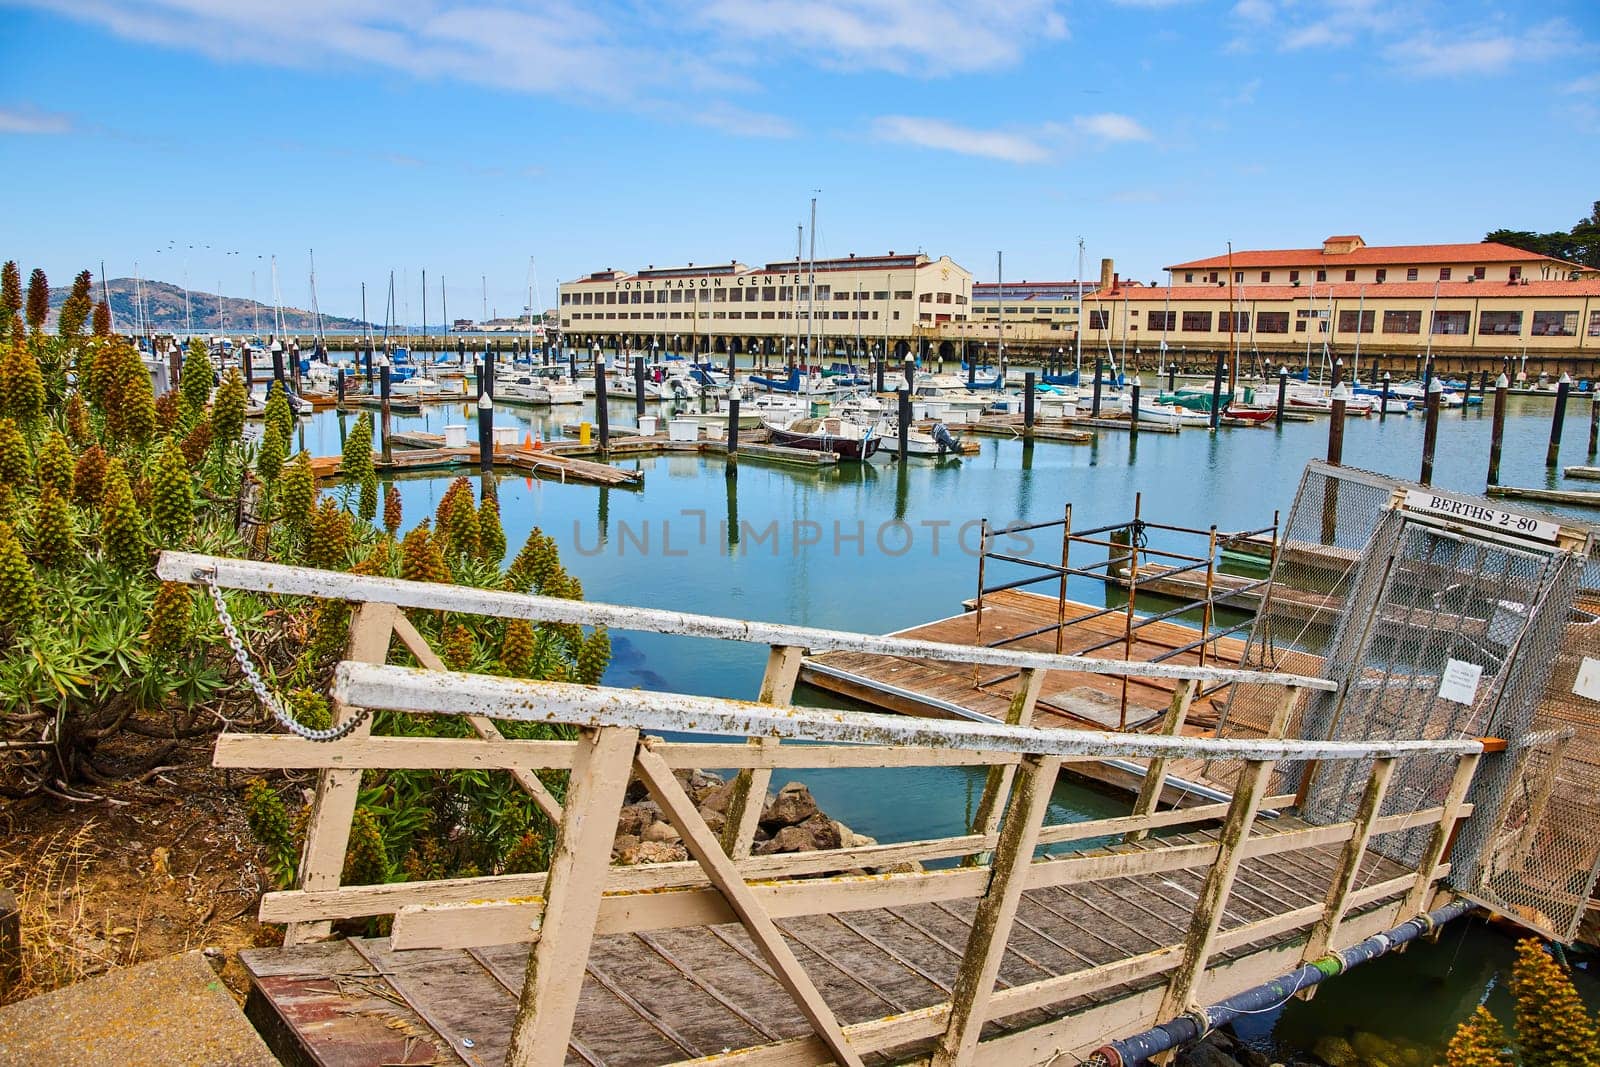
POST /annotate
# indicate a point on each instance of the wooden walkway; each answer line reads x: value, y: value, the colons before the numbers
x: 1067, y: 699
x: 667, y: 995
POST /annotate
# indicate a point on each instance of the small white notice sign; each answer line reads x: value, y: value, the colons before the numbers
x: 1459, y: 683
x: 1588, y: 683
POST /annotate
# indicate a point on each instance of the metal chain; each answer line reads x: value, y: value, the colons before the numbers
x: 268, y: 699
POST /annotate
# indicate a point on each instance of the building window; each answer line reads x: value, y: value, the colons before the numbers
x: 1241, y: 322
x: 1272, y: 322
x: 1215, y: 277
x: 1555, y: 323
x: 1197, y: 321
x: 1411, y: 274
x: 649, y: 296
x: 1516, y: 273
x: 566, y: 298
x: 1444, y: 276
x: 720, y: 296
x: 1402, y: 322
x: 769, y: 315
x: 638, y: 297
x: 925, y: 298
x: 1451, y: 322
x: 769, y: 292
x: 881, y: 294
x: 1594, y: 324
x: 736, y: 295
x: 1266, y: 276
x: 1164, y: 321
x: 841, y: 314
x: 1238, y: 277
x: 961, y: 298
x: 1322, y: 275
x: 1300, y: 326
x: 1507, y: 323
x: 1294, y: 276
x: 1357, y: 321
x: 942, y: 298
x: 1479, y: 272
x: 588, y: 298
x: 1099, y: 320
x: 1349, y: 275
x: 1382, y: 275
x: 902, y: 294
x: 1188, y: 276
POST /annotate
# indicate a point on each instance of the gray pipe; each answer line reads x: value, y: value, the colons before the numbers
x: 1135, y: 1050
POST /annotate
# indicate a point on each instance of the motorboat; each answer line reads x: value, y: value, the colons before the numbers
x: 828, y: 433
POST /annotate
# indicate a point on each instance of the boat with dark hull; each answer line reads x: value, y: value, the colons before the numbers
x: 843, y: 438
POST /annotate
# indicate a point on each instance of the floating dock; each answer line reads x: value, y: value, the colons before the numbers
x: 1575, y: 497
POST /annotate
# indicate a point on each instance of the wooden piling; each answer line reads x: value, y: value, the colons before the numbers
x: 733, y: 428
x: 1430, y: 432
x: 1133, y: 412
x: 638, y: 386
x: 602, y: 419
x: 1594, y: 426
x: 1283, y: 391
x: 1563, y: 387
x: 249, y: 369
x: 1383, y: 398
x: 338, y: 385
x: 1497, y: 430
x: 904, y: 418
x: 1216, y: 391
x: 1336, y: 424
x: 1094, y: 409
x: 911, y: 372
x: 1027, y: 405
x: 383, y: 408
x: 486, y: 434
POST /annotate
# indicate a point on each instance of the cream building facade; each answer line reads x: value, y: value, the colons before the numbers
x: 831, y: 307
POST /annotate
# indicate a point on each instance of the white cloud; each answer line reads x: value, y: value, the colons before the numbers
x: 564, y: 48
x: 1035, y: 144
x: 925, y: 37
x: 949, y: 137
x: 1438, y: 54
x: 30, y: 120
x: 1112, y: 127
x: 1588, y: 84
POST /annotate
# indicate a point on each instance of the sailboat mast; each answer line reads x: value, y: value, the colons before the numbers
x: 316, y: 308
x: 1077, y: 358
x: 1233, y: 349
x: 1166, y: 311
x: 1311, y: 315
x: 105, y: 294
x: 366, y: 327
x: 799, y: 252
x: 1361, y: 316
x: 444, y: 309
x: 1000, y: 313
x: 1433, y: 315
x: 811, y: 286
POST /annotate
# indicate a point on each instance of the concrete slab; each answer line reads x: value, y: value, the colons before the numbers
x: 170, y: 1011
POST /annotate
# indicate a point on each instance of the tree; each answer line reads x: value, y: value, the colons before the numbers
x: 77, y: 308
x: 102, y: 319
x: 38, y: 299
x: 1579, y: 245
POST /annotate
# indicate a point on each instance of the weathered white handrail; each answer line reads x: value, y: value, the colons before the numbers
x: 449, y: 693
x: 276, y: 578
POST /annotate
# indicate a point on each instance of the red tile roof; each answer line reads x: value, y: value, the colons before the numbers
x: 1368, y: 255
x: 1243, y: 294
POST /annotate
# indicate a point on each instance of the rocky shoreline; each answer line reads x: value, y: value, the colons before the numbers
x: 790, y: 822
x: 1358, y: 1048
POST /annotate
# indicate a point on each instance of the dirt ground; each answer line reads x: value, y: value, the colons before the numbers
x: 160, y: 865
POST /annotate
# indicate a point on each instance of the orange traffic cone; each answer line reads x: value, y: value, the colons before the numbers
x: 527, y: 441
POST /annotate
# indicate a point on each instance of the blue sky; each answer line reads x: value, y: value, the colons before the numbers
x: 466, y: 136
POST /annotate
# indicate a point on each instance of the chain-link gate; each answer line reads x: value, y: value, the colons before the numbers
x: 1438, y: 623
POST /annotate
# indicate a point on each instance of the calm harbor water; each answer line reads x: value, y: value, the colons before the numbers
x: 877, y: 548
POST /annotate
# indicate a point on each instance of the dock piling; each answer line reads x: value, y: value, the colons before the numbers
x: 878, y: 371
x: 277, y: 364
x: 383, y: 408
x: 1094, y: 408
x: 601, y: 416
x: 1341, y: 396
x: 1430, y: 430
x: 1563, y: 387
x: 1594, y: 425
x: 249, y: 370
x: 1383, y: 397
x: 904, y: 413
x: 1027, y: 405
x: 338, y: 385
x: 638, y: 386
x: 486, y: 434
x: 1216, y: 391
x: 1133, y: 411
x: 1172, y: 375
x: 733, y: 428
x: 1497, y: 428
x: 1283, y: 392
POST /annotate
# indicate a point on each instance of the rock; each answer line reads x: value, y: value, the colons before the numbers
x: 635, y: 818
x: 622, y: 843
x: 716, y: 798
x: 1335, y: 1052
x: 662, y: 832
x: 655, y: 852
x: 1207, y: 1053
x: 815, y: 834
x: 792, y: 806
x: 1375, y: 1050
x: 1250, y: 1057
x: 823, y: 830
x: 715, y: 820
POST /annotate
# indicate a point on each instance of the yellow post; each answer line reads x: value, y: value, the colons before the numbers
x: 583, y: 434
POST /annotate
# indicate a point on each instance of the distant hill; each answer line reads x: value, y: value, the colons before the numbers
x: 163, y: 308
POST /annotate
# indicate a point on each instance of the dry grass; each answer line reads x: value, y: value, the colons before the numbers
x: 68, y: 933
